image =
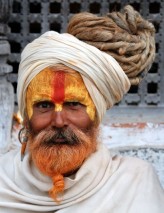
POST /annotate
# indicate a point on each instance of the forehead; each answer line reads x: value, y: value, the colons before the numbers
x: 56, y: 85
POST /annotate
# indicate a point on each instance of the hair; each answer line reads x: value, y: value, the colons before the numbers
x: 59, y: 160
x: 125, y: 35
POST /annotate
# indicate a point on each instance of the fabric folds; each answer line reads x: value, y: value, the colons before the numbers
x: 103, y: 184
x: 24, y: 187
x: 102, y: 75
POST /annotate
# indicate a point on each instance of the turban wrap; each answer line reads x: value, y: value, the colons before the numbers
x: 104, y: 79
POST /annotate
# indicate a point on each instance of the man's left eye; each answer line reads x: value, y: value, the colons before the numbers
x: 73, y: 104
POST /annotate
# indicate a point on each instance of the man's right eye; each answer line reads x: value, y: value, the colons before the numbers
x: 44, y: 105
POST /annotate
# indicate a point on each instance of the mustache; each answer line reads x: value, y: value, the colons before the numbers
x: 51, y: 137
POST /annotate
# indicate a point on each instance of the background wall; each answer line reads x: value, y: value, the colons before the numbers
x: 30, y: 18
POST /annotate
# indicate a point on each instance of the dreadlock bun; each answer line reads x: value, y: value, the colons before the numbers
x: 125, y: 35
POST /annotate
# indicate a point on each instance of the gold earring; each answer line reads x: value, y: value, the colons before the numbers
x: 23, y: 138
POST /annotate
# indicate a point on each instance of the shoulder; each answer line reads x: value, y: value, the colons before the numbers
x: 133, y: 163
x: 139, y: 177
x: 136, y: 170
x: 10, y: 154
x: 135, y: 186
x: 7, y: 160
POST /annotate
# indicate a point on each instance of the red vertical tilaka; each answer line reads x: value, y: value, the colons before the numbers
x: 58, y: 84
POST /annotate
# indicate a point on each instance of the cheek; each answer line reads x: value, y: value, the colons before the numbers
x: 80, y: 120
x: 38, y: 123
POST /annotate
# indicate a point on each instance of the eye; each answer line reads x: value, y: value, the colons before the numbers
x: 74, y: 105
x: 44, y: 106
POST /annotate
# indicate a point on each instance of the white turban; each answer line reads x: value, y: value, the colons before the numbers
x: 105, y: 80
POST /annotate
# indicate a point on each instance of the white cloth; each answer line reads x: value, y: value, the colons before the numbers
x: 104, y: 78
x: 102, y: 185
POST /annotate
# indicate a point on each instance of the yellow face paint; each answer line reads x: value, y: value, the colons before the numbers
x: 58, y: 87
x: 58, y: 107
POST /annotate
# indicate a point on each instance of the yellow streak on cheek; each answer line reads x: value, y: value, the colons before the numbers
x: 91, y: 111
x: 29, y: 103
x: 58, y: 107
x: 29, y: 111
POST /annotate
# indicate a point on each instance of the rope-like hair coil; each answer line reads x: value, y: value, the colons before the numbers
x: 125, y: 35
x: 58, y: 188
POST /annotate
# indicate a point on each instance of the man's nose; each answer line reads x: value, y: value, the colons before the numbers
x: 59, y: 119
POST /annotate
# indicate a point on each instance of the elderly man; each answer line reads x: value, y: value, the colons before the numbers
x: 64, y: 89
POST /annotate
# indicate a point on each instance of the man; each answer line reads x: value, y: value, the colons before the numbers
x: 64, y: 89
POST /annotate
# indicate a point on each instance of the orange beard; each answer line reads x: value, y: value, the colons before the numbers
x: 60, y: 159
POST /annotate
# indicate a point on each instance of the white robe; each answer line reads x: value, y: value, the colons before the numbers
x: 102, y: 185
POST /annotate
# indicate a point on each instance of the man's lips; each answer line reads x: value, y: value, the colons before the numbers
x: 61, y: 138
x: 56, y: 141
x: 60, y: 141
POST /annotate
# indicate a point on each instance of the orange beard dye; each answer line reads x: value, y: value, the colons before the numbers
x: 59, y: 160
x: 58, y: 187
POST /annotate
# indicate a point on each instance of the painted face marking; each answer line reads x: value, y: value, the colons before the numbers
x: 58, y: 87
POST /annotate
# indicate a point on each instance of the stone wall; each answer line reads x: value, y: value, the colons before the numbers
x: 6, y: 88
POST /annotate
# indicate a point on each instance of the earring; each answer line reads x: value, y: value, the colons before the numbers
x: 23, y: 138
